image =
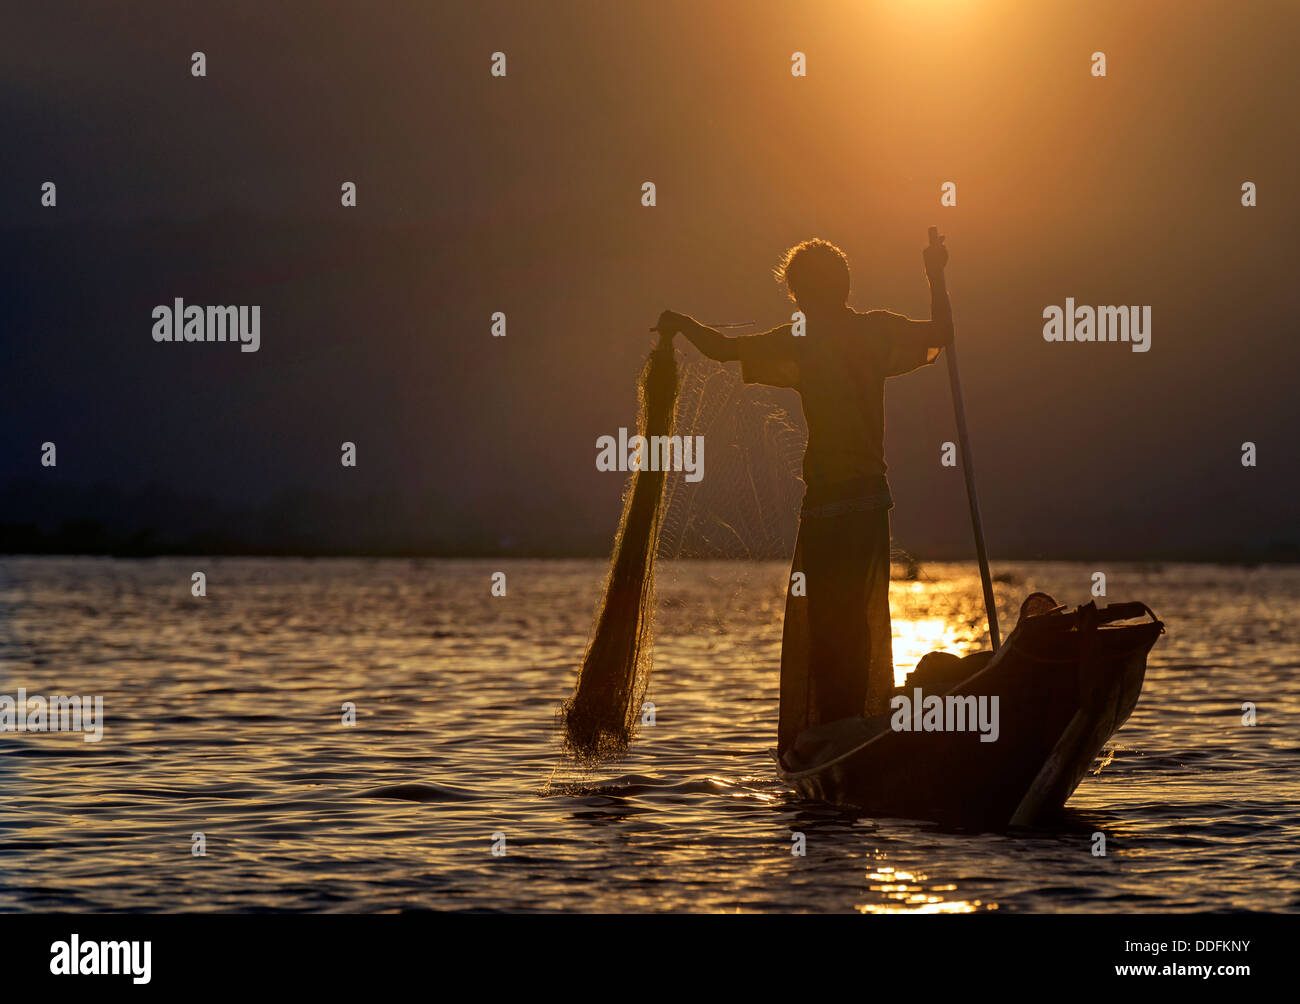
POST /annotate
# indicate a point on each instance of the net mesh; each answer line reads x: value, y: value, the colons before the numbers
x: 748, y: 505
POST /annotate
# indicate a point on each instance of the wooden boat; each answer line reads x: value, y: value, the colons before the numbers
x: 1065, y: 683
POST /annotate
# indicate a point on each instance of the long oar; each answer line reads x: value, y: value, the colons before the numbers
x: 968, y: 468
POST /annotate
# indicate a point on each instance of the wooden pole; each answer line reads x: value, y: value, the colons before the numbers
x: 968, y: 469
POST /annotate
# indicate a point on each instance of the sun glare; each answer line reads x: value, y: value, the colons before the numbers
x: 914, y: 638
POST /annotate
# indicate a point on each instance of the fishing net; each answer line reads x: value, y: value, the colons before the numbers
x: 600, y: 717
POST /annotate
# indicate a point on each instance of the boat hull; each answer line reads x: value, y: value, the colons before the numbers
x: 1065, y: 683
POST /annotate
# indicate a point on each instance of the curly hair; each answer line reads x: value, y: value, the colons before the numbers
x: 814, y: 270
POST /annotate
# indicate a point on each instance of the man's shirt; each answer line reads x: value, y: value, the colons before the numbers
x: 839, y: 368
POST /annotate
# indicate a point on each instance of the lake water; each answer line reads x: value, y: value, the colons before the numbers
x: 223, y: 717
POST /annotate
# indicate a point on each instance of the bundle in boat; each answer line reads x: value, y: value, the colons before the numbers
x: 600, y: 718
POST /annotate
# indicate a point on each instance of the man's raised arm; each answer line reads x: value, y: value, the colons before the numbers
x: 936, y: 257
x: 937, y: 332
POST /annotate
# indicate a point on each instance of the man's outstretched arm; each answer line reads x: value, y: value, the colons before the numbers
x: 767, y: 358
x: 709, y: 341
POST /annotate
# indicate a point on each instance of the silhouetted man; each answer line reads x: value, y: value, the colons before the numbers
x: 836, y: 651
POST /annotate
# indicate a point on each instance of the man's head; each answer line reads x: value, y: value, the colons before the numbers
x: 816, y: 275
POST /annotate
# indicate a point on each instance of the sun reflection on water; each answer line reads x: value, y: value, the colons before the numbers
x: 933, y: 617
x: 907, y: 892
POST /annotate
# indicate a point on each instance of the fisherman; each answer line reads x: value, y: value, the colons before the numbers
x: 836, y: 647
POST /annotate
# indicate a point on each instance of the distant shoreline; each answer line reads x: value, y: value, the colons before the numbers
x: 290, y: 538
x: 1251, y: 562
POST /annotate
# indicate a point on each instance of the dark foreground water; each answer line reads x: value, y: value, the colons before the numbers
x: 223, y: 717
